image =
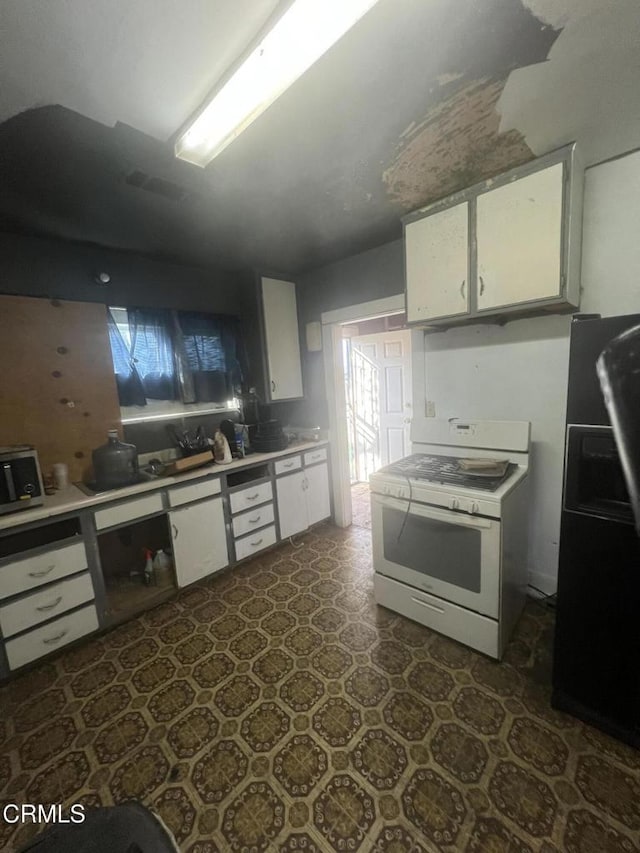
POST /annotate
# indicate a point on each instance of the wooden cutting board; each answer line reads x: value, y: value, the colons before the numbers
x: 189, y: 462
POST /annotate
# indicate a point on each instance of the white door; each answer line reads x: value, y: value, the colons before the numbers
x: 199, y: 540
x: 390, y: 352
x: 436, y: 264
x: 317, y: 491
x: 282, y: 338
x: 292, y: 504
x: 519, y: 232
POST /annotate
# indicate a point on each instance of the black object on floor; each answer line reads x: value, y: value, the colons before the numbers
x: 129, y: 828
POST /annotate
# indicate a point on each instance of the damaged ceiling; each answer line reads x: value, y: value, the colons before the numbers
x: 420, y: 99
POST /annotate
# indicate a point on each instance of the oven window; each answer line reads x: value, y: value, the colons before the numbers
x: 440, y: 550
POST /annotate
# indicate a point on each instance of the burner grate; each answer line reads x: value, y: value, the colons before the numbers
x: 444, y: 469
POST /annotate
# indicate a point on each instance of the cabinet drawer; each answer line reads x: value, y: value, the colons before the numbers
x: 255, y: 542
x: 194, y: 491
x: 48, y: 638
x: 26, y: 574
x: 284, y: 466
x: 128, y: 511
x: 45, y: 604
x: 313, y: 456
x: 250, y: 497
x: 456, y: 622
x: 252, y: 520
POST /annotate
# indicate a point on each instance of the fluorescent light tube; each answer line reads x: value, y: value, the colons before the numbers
x: 301, y: 36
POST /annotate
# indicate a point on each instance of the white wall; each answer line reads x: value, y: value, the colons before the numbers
x: 519, y: 371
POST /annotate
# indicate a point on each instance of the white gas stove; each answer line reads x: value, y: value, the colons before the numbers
x: 449, y: 527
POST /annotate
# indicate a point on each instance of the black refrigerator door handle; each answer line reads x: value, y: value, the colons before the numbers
x: 8, y: 478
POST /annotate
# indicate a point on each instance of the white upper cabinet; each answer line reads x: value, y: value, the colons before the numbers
x: 510, y: 245
x: 519, y: 240
x: 437, y: 249
x: 282, y: 341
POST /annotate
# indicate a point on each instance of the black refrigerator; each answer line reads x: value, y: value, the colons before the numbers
x: 596, y: 671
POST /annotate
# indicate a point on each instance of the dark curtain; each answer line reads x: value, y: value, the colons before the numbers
x: 128, y: 382
x: 181, y: 355
x: 152, y: 351
x: 211, y: 347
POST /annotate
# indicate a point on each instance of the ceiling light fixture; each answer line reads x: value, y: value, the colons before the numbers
x: 301, y: 36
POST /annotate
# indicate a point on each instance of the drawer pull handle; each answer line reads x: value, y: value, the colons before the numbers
x: 257, y: 542
x: 427, y: 605
x: 43, y: 572
x: 44, y: 607
x: 255, y: 520
x: 252, y: 497
x: 50, y: 640
x: 287, y: 465
x: 175, y: 532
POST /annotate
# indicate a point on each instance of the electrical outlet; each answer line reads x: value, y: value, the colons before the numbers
x: 430, y: 409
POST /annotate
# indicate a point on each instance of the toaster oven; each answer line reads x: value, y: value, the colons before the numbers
x: 20, y: 478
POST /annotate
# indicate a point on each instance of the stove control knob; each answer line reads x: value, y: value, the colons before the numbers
x: 474, y: 508
x: 454, y: 503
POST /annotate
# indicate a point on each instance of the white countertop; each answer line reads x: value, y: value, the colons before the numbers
x: 74, y: 500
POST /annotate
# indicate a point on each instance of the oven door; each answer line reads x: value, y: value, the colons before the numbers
x: 449, y: 554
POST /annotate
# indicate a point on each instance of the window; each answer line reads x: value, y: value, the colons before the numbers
x: 174, y: 355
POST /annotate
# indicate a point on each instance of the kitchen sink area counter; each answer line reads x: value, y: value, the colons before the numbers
x: 73, y: 499
x: 76, y: 564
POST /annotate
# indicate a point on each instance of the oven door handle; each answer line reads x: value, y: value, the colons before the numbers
x: 426, y: 511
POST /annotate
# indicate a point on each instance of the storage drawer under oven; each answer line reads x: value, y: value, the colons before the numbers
x: 460, y: 624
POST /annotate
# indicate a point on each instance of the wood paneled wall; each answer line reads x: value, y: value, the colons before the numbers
x: 57, y: 386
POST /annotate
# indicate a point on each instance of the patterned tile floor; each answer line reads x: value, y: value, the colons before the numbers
x: 361, y: 505
x: 277, y: 708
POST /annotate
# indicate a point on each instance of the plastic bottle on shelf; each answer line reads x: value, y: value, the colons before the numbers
x: 162, y: 568
x: 148, y: 576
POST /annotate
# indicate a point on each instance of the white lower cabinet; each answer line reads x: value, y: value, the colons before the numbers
x: 199, y: 540
x: 303, y: 499
x: 292, y: 506
x: 318, y: 504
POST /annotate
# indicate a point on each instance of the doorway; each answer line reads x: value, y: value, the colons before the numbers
x: 376, y: 360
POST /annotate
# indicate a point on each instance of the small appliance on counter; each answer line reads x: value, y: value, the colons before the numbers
x: 20, y: 478
x: 115, y: 464
x: 269, y: 437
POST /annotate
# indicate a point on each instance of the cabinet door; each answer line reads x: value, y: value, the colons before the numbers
x: 436, y: 258
x: 318, y: 504
x: 199, y: 540
x: 519, y: 234
x: 282, y: 340
x: 292, y: 506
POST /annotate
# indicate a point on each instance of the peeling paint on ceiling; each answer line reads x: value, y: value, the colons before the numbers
x: 456, y: 145
x: 420, y: 99
x: 589, y: 89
